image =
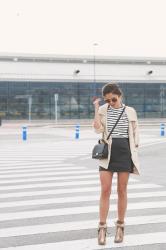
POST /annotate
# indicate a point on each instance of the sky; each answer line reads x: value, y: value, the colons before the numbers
x: 72, y: 27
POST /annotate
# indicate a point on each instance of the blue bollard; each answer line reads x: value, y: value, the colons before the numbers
x: 77, y: 131
x: 24, y: 133
x: 162, y: 129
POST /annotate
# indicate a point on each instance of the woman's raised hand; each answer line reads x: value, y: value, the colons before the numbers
x: 96, y: 101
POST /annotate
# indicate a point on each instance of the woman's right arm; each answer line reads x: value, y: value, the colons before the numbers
x: 97, y: 119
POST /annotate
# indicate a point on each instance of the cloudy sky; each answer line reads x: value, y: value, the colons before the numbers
x: 119, y: 27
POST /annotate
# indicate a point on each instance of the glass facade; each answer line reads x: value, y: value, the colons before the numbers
x: 19, y: 99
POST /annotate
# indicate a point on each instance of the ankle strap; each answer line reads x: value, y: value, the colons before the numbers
x: 119, y: 224
x: 102, y: 226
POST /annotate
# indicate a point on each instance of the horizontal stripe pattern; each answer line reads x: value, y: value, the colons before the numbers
x: 89, y: 244
x: 77, y: 225
x: 59, y: 209
x: 121, y: 129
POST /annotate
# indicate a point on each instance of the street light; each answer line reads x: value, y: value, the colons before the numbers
x: 150, y: 72
x: 76, y: 72
x: 30, y: 106
x: 94, y: 66
x: 56, y: 107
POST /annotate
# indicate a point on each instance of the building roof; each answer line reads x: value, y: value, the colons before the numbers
x: 52, y: 58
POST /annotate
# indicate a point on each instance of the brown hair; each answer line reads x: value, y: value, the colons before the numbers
x: 111, y: 88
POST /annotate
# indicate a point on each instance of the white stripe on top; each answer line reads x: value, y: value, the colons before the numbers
x: 121, y: 129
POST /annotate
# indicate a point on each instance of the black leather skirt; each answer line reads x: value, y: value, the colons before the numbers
x: 120, y: 160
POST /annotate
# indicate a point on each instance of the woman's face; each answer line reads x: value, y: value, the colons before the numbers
x: 113, y: 100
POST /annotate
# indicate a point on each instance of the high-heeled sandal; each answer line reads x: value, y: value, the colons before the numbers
x: 102, y: 231
x: 119, y: 235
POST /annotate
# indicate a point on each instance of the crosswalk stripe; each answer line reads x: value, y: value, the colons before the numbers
x: 56, y: 148
x: 58, y: 157
x: 130, y: 240
x: 54, y: 184
x: 33, y: 165
x: 45, y: 156
x: 22, y: 171
x: 30, y: 151
x: 39, y: 201
x: 19, y: 161
x: 77, y: 225
x: 24, y: 180
x: 36, y: 174
x: 48, y: 155
x: 85, y: 158
x: 76, y: 210
x: 50, y: 151
x: 61, y: 184
x: 71, y: 190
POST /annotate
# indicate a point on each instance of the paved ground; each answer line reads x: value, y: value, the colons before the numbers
x: 49, y: 192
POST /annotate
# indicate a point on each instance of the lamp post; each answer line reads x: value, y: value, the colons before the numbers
x: 56, y: 107
x: 30, y: 106
x: 94, y: 67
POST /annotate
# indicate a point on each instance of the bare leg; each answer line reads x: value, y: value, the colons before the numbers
x: 122, y: 194
x: 106, y: 183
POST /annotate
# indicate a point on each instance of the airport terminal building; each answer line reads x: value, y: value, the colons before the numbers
x: 49, y: 87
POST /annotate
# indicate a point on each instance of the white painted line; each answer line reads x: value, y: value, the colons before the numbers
x: 77, y: 225
x: 91, y: 244
x: 25, y: 180
x: 72, y: 190
x: 85, y: 158
x: 30, y: 151
x: 44, y: 156
x: 46, y: 150
x: 152, y: 143
x: 9, y: 162
x: 19, y: 164
x: 33, y: 165
x: 22, y: 171
x: 44, y: 174
x: 40, y: 159
x: 79, y: 198
x: 76, y: 210
x: 33, y: 152
x: 60, y: 184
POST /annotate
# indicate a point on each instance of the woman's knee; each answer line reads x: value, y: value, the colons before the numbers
x: 122, y: 190
x: 106, y: 183
x: 105, y: 191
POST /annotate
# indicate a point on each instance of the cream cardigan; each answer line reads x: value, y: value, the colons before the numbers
x: 133, y: 135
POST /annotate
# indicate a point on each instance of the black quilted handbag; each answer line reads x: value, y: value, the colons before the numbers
x: 100, y: 150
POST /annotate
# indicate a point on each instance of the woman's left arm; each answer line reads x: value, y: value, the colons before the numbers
x: 136, y: 130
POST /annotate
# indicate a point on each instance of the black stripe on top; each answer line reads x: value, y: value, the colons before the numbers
x: 121, y: 129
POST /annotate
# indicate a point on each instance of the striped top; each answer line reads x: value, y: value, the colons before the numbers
x: 121, y: 129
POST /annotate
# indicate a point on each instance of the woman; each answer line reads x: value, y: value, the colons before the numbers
x: 122, y: 156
